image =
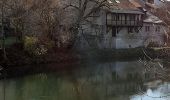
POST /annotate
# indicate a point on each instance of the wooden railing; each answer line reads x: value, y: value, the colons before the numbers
x: 124, y: 23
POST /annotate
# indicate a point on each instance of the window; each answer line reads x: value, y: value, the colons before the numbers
x: 113, y: 17
x: 132, y: 17
x: 147, y: 28
x: 96, y: 13
x: 158, y: 29
x: 118, y: 17
x: 137, y: 17
x: 114, y: 31
x: 125, y: 19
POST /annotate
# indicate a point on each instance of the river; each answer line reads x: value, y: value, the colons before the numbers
x: 117, y: 80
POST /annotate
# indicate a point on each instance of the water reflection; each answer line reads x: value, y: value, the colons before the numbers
x: 162, y: 92
x: 93, y: 81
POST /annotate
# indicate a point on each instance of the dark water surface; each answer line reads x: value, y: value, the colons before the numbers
x: 119, y: 80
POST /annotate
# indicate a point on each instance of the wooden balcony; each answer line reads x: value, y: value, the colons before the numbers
x: 124, y: 23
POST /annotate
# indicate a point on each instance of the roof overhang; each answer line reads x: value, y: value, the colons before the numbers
x: 123, y: 11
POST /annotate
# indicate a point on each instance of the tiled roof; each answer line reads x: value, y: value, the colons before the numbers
x: 152, y: 19
x: 127, y: 11
x: 124, y: 4
x: 151, y: 5
x: 137, y: 3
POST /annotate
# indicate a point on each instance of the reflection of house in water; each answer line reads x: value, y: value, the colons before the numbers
x: 92, y: 81
x: 159, y: 93
x: 113, y: 79
x: 126, y: 25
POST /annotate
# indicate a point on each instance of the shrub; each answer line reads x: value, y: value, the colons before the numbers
x: 30, y: 44
x: 40, y: 50
x: 33, y: 47
x: 49, y: 44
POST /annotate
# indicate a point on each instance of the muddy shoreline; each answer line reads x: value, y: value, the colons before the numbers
x: 21, y: 65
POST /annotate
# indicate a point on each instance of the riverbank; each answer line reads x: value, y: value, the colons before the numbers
x: 18, y: 57
x: 20, y: 63
x: 123, y: 54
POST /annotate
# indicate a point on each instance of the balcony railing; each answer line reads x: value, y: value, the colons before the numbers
x: 124, y: 23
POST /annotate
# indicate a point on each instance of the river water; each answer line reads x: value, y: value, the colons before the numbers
x: 117, y: 80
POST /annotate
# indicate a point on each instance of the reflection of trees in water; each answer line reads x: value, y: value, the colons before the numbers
x: 156, y: 73
x: 155, y: 68
x: 90, y: 82
x: 113, y: 82
x: 105, y: 79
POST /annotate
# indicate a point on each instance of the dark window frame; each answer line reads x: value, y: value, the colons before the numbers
x: 147, y: 28
x: 158, y: 29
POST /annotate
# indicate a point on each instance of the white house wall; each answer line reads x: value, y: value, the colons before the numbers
x: 109, y: 41
x: 123, y: 39
x: 153, y: 35
x: 159, y: 3
x: 128, y: 40
x: 142, y: 38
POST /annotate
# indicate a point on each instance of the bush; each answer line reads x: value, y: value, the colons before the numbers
x: 47, y: 43
x: 33, y: 47
x: 40, y: 50
x: 30, y: 44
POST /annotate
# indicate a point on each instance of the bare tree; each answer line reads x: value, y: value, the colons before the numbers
x: 2, y: 4
x: 34, y: 17
x: 164, y: 14
x: 18, y: 12
x: 81, y: 12
x: 48, y: 17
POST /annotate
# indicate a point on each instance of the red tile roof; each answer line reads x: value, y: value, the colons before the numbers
x: 125, y: 4
x: 136, y: 3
